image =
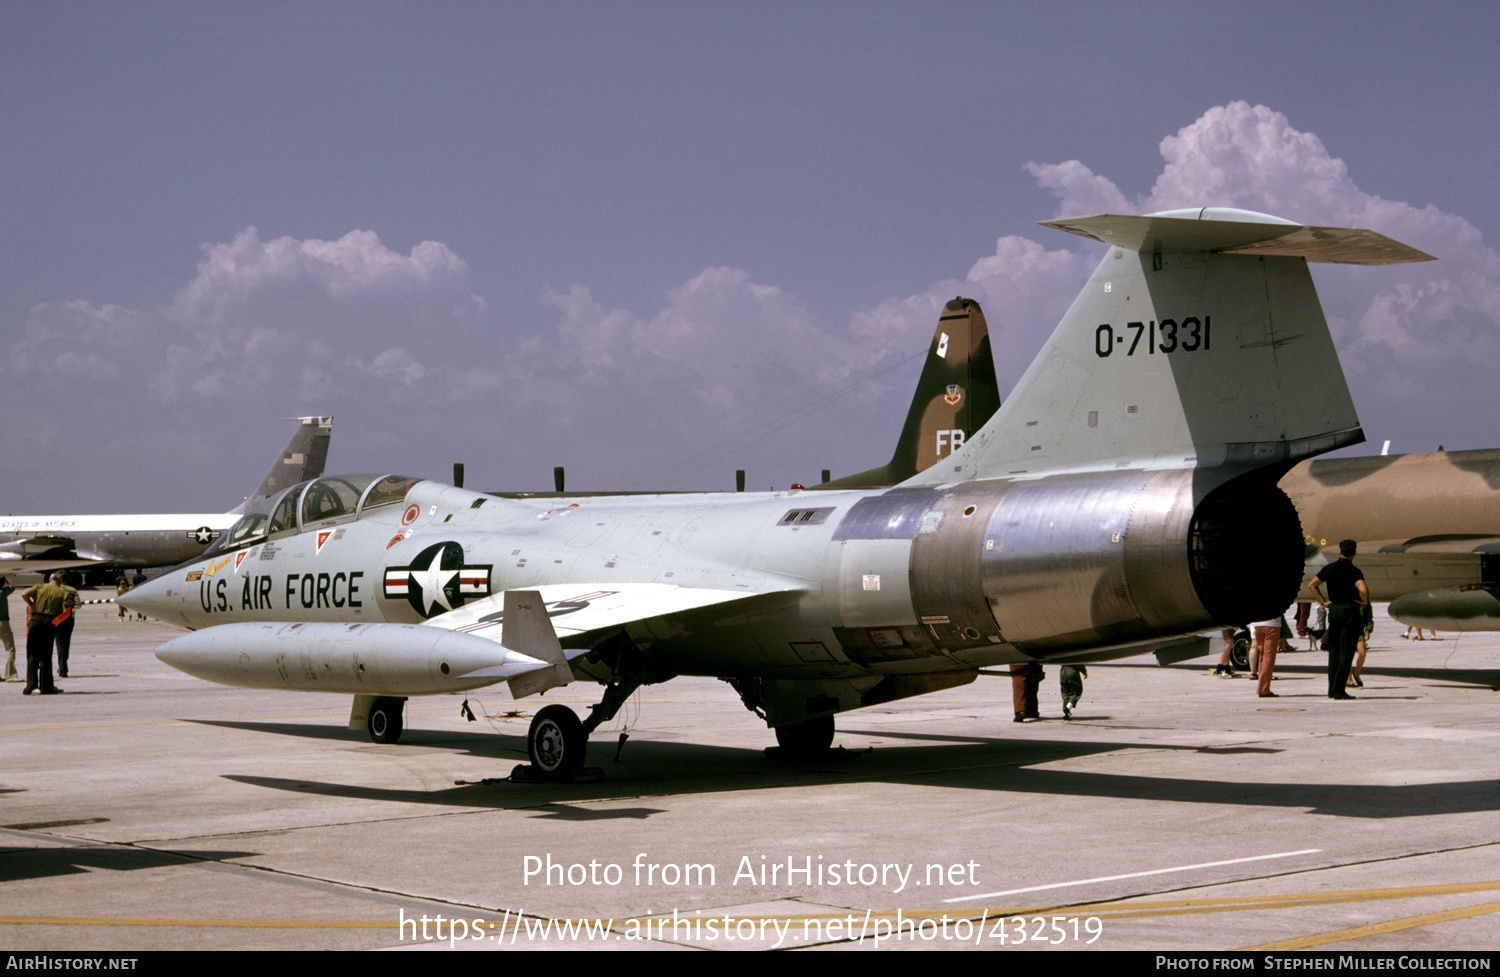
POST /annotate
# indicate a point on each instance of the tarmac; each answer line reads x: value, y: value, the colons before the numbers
x: 1177, y: 811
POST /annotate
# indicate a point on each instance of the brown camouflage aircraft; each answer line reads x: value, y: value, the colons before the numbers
x: 1424, y: 522
x: 956, y: 395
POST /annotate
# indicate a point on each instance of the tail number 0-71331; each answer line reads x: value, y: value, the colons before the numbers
x: 1166, y: 336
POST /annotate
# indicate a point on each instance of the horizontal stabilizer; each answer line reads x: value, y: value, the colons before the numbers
x: 1225, y: 230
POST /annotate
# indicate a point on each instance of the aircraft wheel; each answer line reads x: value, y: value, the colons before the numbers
x: 1239, y: 654
x: 807, y: 738
x: 385, y: 720
x: 557, y: 742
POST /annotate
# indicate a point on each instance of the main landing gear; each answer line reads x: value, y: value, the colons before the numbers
x: 385, y: 719
x: 809, y: 738
x: 1239, y: 652
x: 806, y: 739
x: 558, y: 741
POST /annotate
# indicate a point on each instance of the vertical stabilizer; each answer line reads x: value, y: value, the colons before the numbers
x: 1198, y: 342
x: 956, y: 394
x: 303, y: 458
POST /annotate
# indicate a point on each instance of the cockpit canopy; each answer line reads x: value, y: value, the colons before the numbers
x: 314, y: 504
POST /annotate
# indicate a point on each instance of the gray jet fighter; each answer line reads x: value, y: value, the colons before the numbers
x: 1123, y: 499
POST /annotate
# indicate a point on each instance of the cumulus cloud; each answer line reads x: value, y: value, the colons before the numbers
x: 718, y: 333
x: 262, y: 329
x: 401, y: 346
x: 356, y: 265
x: 1078, y: 189
x: 395, y: 363
x: 1402, y: 332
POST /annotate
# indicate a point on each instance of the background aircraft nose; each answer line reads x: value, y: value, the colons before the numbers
x: 150, y: 597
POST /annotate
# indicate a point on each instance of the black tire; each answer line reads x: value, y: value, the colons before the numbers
x: 808, y: 738
x: 385, y: 720
x: 557, y: 742
x: 1239, y: 654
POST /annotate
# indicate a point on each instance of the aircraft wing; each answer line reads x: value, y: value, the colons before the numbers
x: 39, y: 553
x: 542, y: 618
x: 11, y: 563
x: 578, y: 609
x: 1395, y: 567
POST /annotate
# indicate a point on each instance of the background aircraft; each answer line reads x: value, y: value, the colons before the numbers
x: 1122, y: 500
x: 35, y: 544
x: 1428, y: 527
x: 956, y: 394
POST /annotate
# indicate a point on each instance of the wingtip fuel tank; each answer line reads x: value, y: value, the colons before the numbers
x: 363, y: 659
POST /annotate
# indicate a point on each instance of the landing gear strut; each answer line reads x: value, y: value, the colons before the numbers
x: 806, y: 739
x: 558, y: 740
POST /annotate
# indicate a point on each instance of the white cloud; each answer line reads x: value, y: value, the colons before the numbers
x: 1404, y: 331
x: 719, y: 334
x: 356, y: 265
x: 395, y: 363
x: 401, y: 346
x: 1078, y: 189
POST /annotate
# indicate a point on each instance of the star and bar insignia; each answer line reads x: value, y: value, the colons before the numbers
x: 438, y: 580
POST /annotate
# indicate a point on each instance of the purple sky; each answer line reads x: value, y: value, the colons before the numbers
x: 658, y: 242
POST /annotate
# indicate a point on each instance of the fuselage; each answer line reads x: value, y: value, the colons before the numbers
x: 835, y: 583
x: 1423, y: 521
x: 124, y: 540
x: 1397, y: 497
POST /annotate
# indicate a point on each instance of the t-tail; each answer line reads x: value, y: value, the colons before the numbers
x: 956, y: 394
x: 1198, y: 342
x: 1136, y: 460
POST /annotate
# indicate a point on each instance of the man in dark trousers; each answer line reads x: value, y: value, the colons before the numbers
x: 65, y: 626
x: 1347, y: 597
x: 46, y: 603
x: 1025, y: 679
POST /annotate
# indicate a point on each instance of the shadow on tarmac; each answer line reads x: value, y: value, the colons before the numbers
x: 1483, y: 678
x: 36, y: 863
x: 670, y: 769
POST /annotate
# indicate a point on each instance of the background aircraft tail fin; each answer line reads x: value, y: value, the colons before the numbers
x: 1199, y: 341
x: 956, y: 394
x: 303, y: 458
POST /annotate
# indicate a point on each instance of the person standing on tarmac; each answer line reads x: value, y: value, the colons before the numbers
x: 46, y: 603
x: 6, y: 589
x: 1347, y: 595
x: 65, y: 626
x: 1025, y: 679
x: 1267, y: 641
